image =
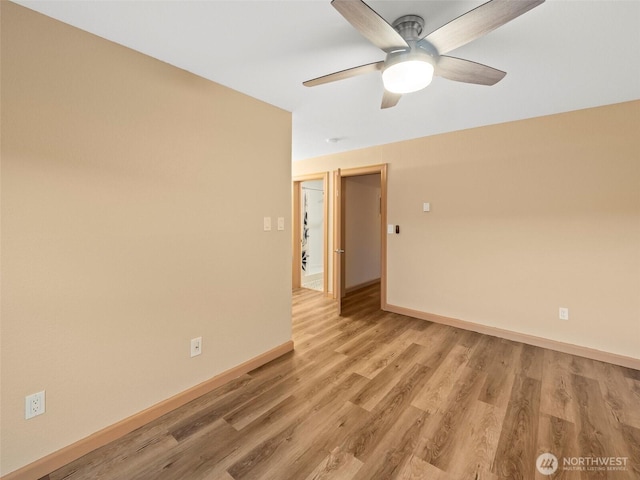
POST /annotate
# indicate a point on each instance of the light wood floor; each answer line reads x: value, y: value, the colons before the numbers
x: 376, y: 396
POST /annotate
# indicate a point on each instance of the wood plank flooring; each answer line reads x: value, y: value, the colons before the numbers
x: 375, y: 396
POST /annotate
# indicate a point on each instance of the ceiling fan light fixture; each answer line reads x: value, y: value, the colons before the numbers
x: 407, y: 72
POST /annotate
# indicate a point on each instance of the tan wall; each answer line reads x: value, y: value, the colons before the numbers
x: 362, y: 229
x: 129, y: 226
x: 526, y: 217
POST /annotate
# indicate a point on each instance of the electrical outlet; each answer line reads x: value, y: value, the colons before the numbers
x: 196, y: 346
x: 563, y: 313
x: 34, y: 405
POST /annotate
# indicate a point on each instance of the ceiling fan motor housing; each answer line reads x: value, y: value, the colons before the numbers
x: 408, y: 70
x: 409, y: 26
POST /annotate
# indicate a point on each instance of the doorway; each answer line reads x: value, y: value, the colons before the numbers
x: 360, y: 243
x: 310, y: 232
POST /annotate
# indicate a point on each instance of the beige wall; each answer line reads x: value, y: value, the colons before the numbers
x: 128, y: 227
x: 362, y: 229
x: 526, y: 217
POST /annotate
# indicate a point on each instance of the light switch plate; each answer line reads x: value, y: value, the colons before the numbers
x: 390, y: 229
x: 426, y: 207
x: 280, y: 223
x: 267, y: 224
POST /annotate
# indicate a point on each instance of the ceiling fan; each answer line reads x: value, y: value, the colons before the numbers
x: 413, y: 58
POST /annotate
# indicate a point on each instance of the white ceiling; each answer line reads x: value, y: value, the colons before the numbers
x: 563, y: 55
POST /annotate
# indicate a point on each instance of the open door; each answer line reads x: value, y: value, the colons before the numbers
x: 339, y: 222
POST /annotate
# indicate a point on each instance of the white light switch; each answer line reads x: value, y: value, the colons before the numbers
x: 426, y: 207
x: 267, y: 224
x: 280, y: 223
x: 391, y: 229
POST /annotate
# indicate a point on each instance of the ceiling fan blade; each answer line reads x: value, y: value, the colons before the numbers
x: 390, y: 99
x: 371, y: 25
x: 478, y: 22
x: 342, y: 74
x: 466, y: 71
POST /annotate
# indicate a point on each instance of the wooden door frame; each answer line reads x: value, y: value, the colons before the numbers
x: 338, y: 203
x: 296, y: 236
